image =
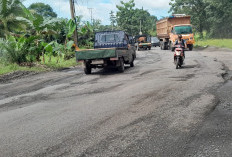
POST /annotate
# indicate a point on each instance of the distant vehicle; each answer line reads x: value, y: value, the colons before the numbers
x: 143, y: 42
x: 155, y: 41
x: 169, y: 28
x: 111, y: 49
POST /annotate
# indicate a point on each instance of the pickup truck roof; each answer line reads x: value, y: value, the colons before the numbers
x: 111, y: 39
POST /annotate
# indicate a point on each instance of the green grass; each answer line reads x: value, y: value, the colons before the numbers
x: 4, y: 69
x: 61, y: 63
x: 53, y: 65
x: 221, y: 43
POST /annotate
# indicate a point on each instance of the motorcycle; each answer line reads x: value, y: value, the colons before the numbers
x: 179, y: 56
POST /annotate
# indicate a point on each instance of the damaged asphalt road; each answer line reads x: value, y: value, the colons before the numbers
x: 150, y: 110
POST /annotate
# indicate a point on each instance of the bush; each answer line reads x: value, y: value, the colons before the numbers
x: 13, y: 51
x: 20, y: 50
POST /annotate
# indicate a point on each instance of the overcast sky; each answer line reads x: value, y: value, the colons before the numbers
x: 102, y: 8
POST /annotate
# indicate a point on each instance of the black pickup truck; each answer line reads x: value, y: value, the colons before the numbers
x: 111, y: 49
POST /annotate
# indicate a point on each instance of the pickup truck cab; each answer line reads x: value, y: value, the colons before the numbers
x: 111, y: 49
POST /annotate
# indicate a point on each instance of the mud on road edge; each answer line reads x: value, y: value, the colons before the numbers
x: 212, y: 48
x: 7, y: 78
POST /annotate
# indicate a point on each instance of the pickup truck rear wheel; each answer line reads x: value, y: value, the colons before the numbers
x: 132, y: 62
x: 121, y: 68
x: 87, y: 69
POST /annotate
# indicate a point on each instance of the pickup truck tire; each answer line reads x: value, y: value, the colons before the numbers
x: 132, y: 62
x: 88, y: 69
x: 121, y: 68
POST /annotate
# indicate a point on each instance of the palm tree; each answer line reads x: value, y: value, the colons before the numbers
x: 10, y: 10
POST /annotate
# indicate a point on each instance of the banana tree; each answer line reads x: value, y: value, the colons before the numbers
x: 10, y: 10
x: 14, y: 50
x: 86, y: 34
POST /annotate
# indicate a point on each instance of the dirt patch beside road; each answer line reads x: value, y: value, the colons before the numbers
x: 16, y: 75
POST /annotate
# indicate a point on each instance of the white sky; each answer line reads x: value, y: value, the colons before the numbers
x: 102, y: 8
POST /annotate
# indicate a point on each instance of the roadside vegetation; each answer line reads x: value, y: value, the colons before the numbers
x: 221, y: 43
x: 211, y: 19
x: 34, y: 38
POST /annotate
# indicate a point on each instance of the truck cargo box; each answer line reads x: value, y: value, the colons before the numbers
x: 164, y: 26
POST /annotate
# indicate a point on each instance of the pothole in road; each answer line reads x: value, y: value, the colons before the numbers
x: 227, y: 76
x: 184, y: 78
x: 148, y: 72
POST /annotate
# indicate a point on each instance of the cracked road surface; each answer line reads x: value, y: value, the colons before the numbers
x: 150, y: 110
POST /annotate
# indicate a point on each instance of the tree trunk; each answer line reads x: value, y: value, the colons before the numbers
x: 201, y: 30
x: 43, y: 57
x: 6, y: 29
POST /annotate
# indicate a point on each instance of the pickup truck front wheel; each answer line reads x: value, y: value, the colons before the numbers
x: 87, y: 69
x: 121, y: 68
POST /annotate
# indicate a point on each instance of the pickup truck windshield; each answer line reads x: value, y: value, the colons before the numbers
x: 183, y: 30
x: 110, y: 38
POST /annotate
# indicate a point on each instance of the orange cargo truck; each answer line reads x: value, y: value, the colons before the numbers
x: 169, y: 28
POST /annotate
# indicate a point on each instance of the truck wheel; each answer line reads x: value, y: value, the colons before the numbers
x: 132, y: 62
x: 172, y: 48
x: 149, y: 48
x: 165, y: 46
x: 190, y: 47
x: 121, y: 68
x: 87, y: 69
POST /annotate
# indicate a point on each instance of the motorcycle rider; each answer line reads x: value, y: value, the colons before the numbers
x: 181, y: 42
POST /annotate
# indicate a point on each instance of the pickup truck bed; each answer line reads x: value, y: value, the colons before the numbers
x: 91, y: 54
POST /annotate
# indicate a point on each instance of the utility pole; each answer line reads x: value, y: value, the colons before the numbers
x: 72, y: 9
x: 140, y: 33
x: 91, y: 12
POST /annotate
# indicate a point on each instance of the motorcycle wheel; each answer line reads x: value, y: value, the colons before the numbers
x: 177, y: 63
